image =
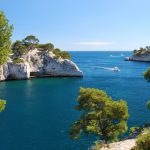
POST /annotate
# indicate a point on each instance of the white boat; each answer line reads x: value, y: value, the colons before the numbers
x: 116, y: 69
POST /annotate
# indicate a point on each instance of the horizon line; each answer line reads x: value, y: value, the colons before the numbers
x: 101, y: 50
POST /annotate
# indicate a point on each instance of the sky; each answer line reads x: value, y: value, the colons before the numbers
x: 81, y: 24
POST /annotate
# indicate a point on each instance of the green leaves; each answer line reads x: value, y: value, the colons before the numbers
x: 148, y: 104
x: 19, y: 48
x: 5, y: 41
x: 30, y: 41
x: 147, y: 75
x: 62, y: 54
x: 143, y: 142
x: 2, y: 105
x: 46, y: 47
x: 101, y: 115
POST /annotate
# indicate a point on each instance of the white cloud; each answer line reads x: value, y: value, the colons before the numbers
x: 94, y: 43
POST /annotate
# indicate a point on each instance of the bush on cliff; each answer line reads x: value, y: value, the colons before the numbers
x: 46, y: 47
x: 142, y: 50
x: 62, y: 54
x: 17, y: 61
x: 19, y: 49
x: 5, y: 41
x: 143, y: 141
x: 31, y: 42
x: 101, y: 115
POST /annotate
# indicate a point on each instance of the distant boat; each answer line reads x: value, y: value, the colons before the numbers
x: 116, y: 69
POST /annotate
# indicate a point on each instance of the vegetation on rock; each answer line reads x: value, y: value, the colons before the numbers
x: 101, y: 115
x: 20, y: 48
x: 46, y: 47
x: 62, y: 54
x: 134, y: 130
x: 141, y: 51
x: 143, y: 141
x: 17, y: 61
x: 30, y: 42
x: 5, y: 41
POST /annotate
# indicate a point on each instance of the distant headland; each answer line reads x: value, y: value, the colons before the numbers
x: 142, y: 54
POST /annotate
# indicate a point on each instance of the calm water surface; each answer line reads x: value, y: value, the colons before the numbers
x: 39, y: 112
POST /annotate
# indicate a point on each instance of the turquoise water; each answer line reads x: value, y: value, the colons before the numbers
x: 40, y: 111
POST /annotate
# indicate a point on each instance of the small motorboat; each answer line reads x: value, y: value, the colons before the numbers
x: 116, y: 69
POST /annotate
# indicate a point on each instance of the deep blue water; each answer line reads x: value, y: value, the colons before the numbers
x: 39, y: 112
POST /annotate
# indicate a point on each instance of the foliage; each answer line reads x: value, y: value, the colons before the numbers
x: 47, y: 47
x: 17, y: 61
x: 142, y: 142
x: 2, y: 105
x: 133, y: 130
x: 19, y: 48
x: 65, y: 55
x: 30, y: 42
x: 147, y: 75
x: 148, y: 104
x: 62, y: 54
x: 101, y: 115
x: 142, y: 51
x: 5, y: 41
x: 98, y: 145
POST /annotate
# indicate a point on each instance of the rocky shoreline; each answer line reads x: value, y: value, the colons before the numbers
x: 122, y: 145
x: 38, y: 63
x: 140, y: 58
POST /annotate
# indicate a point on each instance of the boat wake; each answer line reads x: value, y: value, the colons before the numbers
x: 121, y: 55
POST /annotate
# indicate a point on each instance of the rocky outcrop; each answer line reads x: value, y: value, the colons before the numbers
x: 11, y: 71
x: 122, y: 145
x: 38, y: 63
x: 142, y: 57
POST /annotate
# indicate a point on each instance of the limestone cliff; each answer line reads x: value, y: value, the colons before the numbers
x: 38, y: 63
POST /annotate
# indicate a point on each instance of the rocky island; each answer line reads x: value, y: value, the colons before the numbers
x: 30, y: 59
x: 143, y: 55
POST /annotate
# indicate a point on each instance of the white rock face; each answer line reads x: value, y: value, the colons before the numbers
x: 47, y: 64
x: 18, y: 71
x: 10, y: 71
x: 123, y: 145
x: 37, y: 63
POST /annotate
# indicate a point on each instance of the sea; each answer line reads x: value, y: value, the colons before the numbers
x: 40, y: 111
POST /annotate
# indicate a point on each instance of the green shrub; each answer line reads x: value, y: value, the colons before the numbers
x: 62, y: 54
x: 17, y: 61
x: 47, y: 47
x: 142, y: 51
x: 148, y: 104
x: 133, y: 130
x: 143, y: 142
x: 147, y: 75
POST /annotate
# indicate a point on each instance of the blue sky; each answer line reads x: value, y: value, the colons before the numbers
x: 82, y: 24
